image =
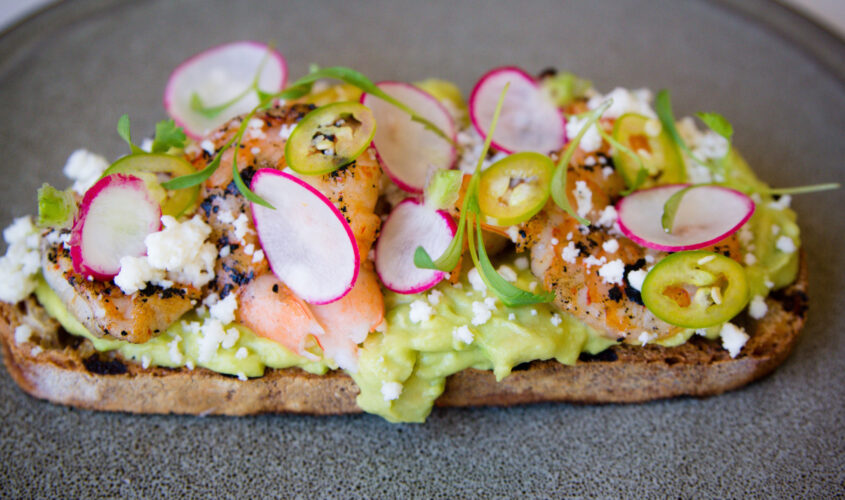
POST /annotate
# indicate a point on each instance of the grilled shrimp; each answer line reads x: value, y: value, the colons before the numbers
x: 267, y: 306
x: 353, y: 189
x: 569, y: 258
x: 105, y: 310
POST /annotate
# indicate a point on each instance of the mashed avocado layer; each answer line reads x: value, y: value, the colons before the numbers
x: 180, y: 345
x: 414, y: 358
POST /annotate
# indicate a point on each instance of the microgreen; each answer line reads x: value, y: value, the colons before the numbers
x: 452, y: 255
x: 358, y: 79
x: 663, y: 107
x: 801, y: 189
x: 168, y: 136
x: 670, y: 208
x: 559, y: 177
x: 717, y: 123
x: 199, y: 106
x: 123, y: 130
x: 642, y: 172
x: 55, y: 208
x: 509, y: 294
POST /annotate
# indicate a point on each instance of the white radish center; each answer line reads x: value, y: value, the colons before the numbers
x: 306, y: 239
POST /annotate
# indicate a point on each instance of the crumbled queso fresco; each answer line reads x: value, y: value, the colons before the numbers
x: 22, y: 262
x: 178, y: 253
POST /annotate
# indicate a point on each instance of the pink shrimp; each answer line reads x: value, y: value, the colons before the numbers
x: 267, y: 306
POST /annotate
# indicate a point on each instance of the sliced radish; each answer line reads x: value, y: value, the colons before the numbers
x: 529, y: 120
x: 411, y: 224
x: 408, y: 151
x: 306, y: 239
x: 116, y: 214
x: 218, y: 75
x: 705, y: 216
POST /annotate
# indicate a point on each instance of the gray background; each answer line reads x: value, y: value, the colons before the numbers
x: 67, y: 75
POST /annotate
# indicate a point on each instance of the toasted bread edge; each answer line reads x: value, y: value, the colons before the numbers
x: 65, y: 373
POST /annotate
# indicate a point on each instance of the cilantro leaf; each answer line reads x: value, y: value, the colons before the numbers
x: 717, y: 123
x: 168, y: 135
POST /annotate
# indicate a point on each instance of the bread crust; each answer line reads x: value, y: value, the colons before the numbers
x: 65, y: 372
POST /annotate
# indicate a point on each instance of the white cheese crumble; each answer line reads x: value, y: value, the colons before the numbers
x: 181, y: 250
x: 606, y: 172
x: 242, y: 376
x: 608, y: 217
x: 481, y: 313
x: 84, y: 168
x: 591, y: 140
x: 20, y: 266
x: 610, y: 246
x: 213, y: 336
x: 174, y: 351
x: 556, y: 320
x: 434, y: 297
x: 241, y: 225
x: 391, y: 390
x: 583, y: 198
x: 222, y: 309
x: 208, y: 146
x: 249, y: 249
x: 782, y: 203
x: 36, y: 350
x: 471, y: 144
x: 624, y: 101
x: 757, y: 308
x: 136, y: 272
x: 258, y: 256
x: 521, y: 263
x: 636, y: 278
x: 241, y: 353
x: 591, y: 261
x: 145, y: 361
x: 286, y: 129
x: 513, y: 233
x: 475, y: 280
x: 508, y: 273
x: 569, y: 253
x: 733, y: 338
x: 511, y: 317
x: 255, y: 128
x: 463, y: 334
x: 749, y: 259
x: 612, y: 272
x: 646, y: 337
x: 785, y: 244
x: 23, y: 333
x: 420, y: 311
x: 225, y: 251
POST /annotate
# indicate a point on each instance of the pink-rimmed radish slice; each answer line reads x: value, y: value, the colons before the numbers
x: 217, y: 76
x: 705, y: 216
x: 529, y: 120
x: 412, y: 224
x: 115, y: 216
x: 306, y: 239
x: 408, y: 151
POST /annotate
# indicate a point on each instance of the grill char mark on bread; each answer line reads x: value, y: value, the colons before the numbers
x: 698, y: 368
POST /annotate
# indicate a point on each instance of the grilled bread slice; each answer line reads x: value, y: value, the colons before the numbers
x: 65, y: 369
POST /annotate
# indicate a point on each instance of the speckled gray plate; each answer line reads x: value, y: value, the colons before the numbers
x: 69, y: 72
